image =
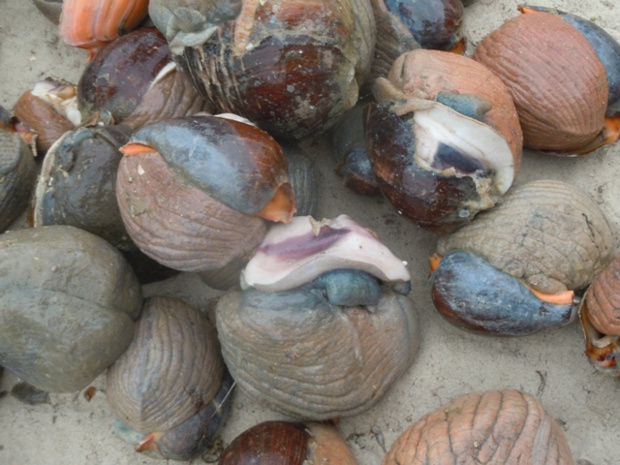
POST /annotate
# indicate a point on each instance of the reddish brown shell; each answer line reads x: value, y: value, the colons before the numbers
x: 43, y: 118
x: 90, y: 23
x: 556, y: 79
x: 602, y: 301
x: 493, y: 427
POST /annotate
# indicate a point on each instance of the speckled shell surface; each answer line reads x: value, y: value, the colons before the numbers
x: 548, y: 233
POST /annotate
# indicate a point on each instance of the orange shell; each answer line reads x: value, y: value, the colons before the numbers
x: 556, y: 79
x: 602, y: 300
x: 92, y: 23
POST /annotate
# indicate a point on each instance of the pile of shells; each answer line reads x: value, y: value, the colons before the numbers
x: 193, y: 146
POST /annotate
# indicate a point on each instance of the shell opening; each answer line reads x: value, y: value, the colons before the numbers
x: 451, y: 144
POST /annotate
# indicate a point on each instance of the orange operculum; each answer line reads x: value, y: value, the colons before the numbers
x: 561, y: 298
x: 149, y: 442
x: 525, y: 10
x: 459, y: 47
x: 434, y: 261
x: 134, y: 148
x: 281, y: 207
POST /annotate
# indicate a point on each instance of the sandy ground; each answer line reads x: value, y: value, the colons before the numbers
x: 551, y: 365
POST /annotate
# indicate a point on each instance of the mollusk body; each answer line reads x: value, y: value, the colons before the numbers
x: 443, y: 141
x: 473, y: 294
x: 193, y: 191
x: 92, y: 23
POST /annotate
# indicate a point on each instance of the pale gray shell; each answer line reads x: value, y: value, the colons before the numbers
x: 309, y: 359
x: 548, y: 233
x: 67, y: 304
x: 171, y: 369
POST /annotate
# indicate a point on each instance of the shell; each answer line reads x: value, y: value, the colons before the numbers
x: 194, y: 210
x: 18, y: 172
x: 490, y: 427
x: 600, y: 319
x: 168, y: 378
x: 303, y: 178
x: 114, y: 88
x: 548, y: 233
x: 291, y: 67
x: 443, y: 138
x: 606, y: 47
x: 50, y: 110
x: 294, y: 254
x: 311, y: 359
x: 77, y: 187
x: 335, y: 332
x: 92, y: 23
x: 280, y: 442
x: 67, y: 309
x: 472, y: 294
x: 540, y: 57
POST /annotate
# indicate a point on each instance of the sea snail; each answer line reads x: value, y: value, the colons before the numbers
x: 194, y: 192
x: 444, y: 139
x: 516, y: 269
x: 323, y: 326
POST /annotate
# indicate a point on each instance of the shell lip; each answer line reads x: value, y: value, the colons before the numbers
x: 296, y: 254
x: 601, y: 350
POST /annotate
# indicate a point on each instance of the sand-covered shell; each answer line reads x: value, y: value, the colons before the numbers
x: 193, y: 192
x: 67, y: 304
x: 49, y: 109
x: 444, y: 139
x: 549, y: 234
x: 287, y: 443
x: 18, y: 172
x: 167, y: 386
x: 557, y: 81
x: 323, y: 327
x: 134, y: 81
x: 92, y: 23
x: 292, y: 67
x: 492, y: 427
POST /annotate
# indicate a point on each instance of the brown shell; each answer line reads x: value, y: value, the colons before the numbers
x: 431, y: 71
x: 286, y: 443
x: 177, y: 224
x: 602, y: 300
x: 556, y: 79
x: 313, y: 360
x: 548, y: 233
x: 171, y: 97
x: 43, y: 119
x: 171, y: 369
x: 493, y: 427
x: 292, y: 67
